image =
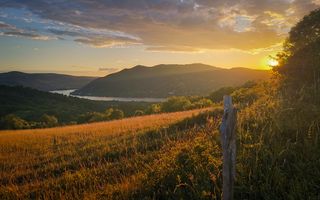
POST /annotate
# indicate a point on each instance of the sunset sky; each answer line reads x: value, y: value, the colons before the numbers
x: 97, y: 37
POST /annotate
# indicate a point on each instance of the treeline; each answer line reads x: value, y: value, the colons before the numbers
x: 13, y: 122
x: 24, y: 108
x: 172, y: 104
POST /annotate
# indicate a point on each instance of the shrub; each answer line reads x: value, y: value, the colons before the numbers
x: 202, y: 103
x: 176, y: 104
x: 154, y: 109
x: 116, y: 114
x: 49, y: 120
x: 12, y: 121
x: 138, y: 113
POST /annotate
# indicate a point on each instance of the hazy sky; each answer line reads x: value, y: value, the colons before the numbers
x: 96, y: 37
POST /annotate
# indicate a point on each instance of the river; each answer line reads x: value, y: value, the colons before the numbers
x: 94, y: 98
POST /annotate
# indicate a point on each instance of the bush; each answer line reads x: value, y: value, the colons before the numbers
x: 217, y: 95
x: 138, y: 113
x: 176, y: 104
x: 116, y: 114
x: 49, y: 120
x: 13, y: 122
x: 154, y: 109
x: 202, y: 103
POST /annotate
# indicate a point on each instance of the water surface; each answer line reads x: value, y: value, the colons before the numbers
x: 95, y: 98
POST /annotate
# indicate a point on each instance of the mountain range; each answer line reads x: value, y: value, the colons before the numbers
x: 44, y: 81
x: 168, y: 80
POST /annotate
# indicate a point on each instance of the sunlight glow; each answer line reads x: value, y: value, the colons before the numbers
x: 273, y: 62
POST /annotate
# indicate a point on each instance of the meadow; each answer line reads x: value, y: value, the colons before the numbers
x: 109, y: 160
x: 169, y: 156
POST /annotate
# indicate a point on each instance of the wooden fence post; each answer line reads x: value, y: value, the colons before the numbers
x: 228, y: 141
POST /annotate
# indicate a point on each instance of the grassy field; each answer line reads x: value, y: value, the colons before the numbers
x: 138, y: 157
x: 168, y: 156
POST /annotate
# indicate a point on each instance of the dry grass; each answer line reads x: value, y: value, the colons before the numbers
x: 77, y: 161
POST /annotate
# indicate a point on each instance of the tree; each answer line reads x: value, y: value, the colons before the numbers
x: 49, y: 120
x: 12, y: 121
x: 97, y: 117
x: 108, y: 112
x: 154, y: 109
x: 217, y: 95
x: 138, y: 113
x: 116, y: 114
x: 176, y: 104
x: 300, y: 60
x: 202, y: 103
x: 306, y: 32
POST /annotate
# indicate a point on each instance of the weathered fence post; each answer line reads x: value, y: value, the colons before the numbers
x: 228, y: 141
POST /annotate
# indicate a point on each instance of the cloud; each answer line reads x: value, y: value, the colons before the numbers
x: 108, y: 69
x: 5, y: 26
x: 236, y: 19
x: 28, y: 35
x: 96, y: 38
x: 169, y: 25
x: 101, y: 42
x: 11, y: 30
x: 181, y: 49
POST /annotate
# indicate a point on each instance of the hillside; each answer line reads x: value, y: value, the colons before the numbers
x: 31, y: 104
x: 108, y: 160
x: 166, y: 156
x: 44, y: 81
x: 168, y: 80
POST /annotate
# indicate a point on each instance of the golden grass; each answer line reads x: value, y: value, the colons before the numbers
x: 59, y: 162
x: 14, y: 138
x: 110, y: 127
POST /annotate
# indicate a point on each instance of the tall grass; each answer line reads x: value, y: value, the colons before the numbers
x: 169, y: 156
x: 279, y: 149
x: 103, y: 160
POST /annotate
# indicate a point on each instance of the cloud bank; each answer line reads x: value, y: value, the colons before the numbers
x: 160, y: 25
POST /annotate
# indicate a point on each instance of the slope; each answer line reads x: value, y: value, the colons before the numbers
x: 168, y: 80
x: 31, y: 104
x: 108, y: 160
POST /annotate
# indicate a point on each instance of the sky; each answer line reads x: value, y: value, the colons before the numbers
x: 98, y: 37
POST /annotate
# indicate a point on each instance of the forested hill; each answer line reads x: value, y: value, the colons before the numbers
x: 168, y: 80
x: 31, y: 105
x: 44, y: 81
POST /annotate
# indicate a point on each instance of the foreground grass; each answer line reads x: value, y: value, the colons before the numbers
x: 167, y: 156
x: 144, y: 157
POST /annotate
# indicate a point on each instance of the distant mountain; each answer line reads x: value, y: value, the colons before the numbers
x: 168, y: 80
x: 44, y: 81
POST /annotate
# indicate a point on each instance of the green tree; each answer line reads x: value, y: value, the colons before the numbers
x: 306, y: 32
x: 300, y: 61
x: 138, y: 113
x: 108, y: 112
x: 97, y: 117
x: 176, y: 104
x: 202, y: 103
x: 49, y: 120
x: 116, y: 114
x: 154, y: 109
x: 12, y: 121
x: 92, y: 117
x: 217, y: 95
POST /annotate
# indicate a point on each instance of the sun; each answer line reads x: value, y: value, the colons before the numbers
x: 273, y: 63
